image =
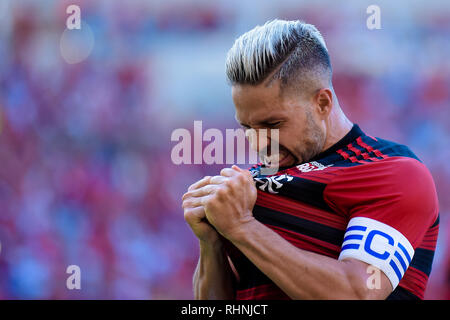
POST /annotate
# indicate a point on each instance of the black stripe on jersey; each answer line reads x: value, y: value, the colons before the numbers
x: 357, y: 147
x: 389, y: 148
x: 250, y: 276
x: 338, y: 161
x: 299, y: 225
x: 306, y: 191
x: 402, y: 294
x: 371, y: 155
x: 422, y: 260
x: 436, y: 222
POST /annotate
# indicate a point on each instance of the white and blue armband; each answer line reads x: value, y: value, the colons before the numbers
x: 377, y: 244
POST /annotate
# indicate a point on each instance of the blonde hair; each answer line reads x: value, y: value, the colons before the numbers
x: 294, y: 47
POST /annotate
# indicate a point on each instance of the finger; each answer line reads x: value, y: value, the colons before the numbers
x: 235, y: 167
x: 198, y: 212
x: 246, y: 172
x: 193, y: 202
x: 228, y: 172
x: 200, y: 192
x: 217, y: 180
x: 194, y: 214
x: 200, y: 183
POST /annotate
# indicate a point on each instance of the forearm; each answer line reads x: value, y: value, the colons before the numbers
x: 213, y: 277
x: 300, y: 274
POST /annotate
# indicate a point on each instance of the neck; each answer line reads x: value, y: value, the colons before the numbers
x: 337, y: 126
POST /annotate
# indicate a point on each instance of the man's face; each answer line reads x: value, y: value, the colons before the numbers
x: 301, y: 128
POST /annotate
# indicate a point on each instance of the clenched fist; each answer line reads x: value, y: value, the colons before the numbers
x: 224, y: 202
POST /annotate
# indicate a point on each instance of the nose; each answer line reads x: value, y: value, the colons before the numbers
x: 259, y: 140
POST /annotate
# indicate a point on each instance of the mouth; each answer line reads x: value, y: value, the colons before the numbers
x: 280, y: 160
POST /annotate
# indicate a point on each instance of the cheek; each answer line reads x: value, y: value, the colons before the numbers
x: 290, y: 142
x: 313, y: 141
x: 297, y: 141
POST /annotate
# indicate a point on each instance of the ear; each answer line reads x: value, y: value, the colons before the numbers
x: 324, y: 101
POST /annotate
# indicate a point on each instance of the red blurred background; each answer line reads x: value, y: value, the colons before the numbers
x: 86, y: 176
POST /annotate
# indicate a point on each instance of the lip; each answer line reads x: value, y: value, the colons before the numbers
x: 285, y: 161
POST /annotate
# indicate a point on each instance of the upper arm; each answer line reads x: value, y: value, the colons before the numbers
x: 368, y: 282
x: 389, y: 204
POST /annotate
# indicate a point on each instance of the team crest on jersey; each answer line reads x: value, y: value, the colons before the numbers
x: 312, y: 166
x: 272, y: 184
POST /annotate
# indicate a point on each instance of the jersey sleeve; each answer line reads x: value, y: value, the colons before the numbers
x: 389, y: 204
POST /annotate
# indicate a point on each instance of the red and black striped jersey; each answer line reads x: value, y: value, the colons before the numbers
x: 364, y: 198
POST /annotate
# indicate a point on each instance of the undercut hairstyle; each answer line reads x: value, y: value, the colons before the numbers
x: 291, y: 51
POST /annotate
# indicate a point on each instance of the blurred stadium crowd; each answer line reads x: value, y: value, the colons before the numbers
x: 85, y: 171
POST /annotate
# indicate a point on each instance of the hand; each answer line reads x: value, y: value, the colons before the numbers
x: 228, y: 200
x: 194, y: 214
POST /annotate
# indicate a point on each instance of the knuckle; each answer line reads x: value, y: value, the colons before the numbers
x: 186, y: 204
x: 187, y: 214
x: 209, y: 203
x: 221, y: 192
x: 192, y: 186
x: 228, y: 183
x: 213, y: 179
x: 233, y: 185
x: 185, y: 207
x: 186, y: 195
x: 241, y: 178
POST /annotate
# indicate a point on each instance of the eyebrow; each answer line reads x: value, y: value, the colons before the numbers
x: 264, y: 121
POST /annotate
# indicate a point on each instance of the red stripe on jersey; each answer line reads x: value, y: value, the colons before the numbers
x: 343, y: 154
x: 265, y: 291
x: 429, y: 245
x: 352, y: 148
x: 308, y: 243
x: 353, y: 159
x: 431, y: 235
x: 257, y: 289
x: 358, y: 152
x: 365, y: 155
x: 318, y: 177
x: 414, y: 281
x: 300, y: 209
x: 323, y: 176
x: 370, y: 149
x: 430, y: 238
x: 271, y: 295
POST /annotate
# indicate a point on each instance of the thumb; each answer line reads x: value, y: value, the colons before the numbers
x: 235, y: 167
x: 246, y: 172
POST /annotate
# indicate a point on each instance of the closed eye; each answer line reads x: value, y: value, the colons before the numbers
x: 273, y: 124
x: 264, y: 124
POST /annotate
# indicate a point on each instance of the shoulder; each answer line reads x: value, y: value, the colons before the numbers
x: 386, y: 160
x: 400, y: 184
x: 400, y: 176
x: 397, y: 170
x: 390, y: 148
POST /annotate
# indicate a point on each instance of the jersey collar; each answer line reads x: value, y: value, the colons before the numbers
x: 351, y: 136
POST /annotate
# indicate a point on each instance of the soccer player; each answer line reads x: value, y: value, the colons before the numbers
x: 347, y: 216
